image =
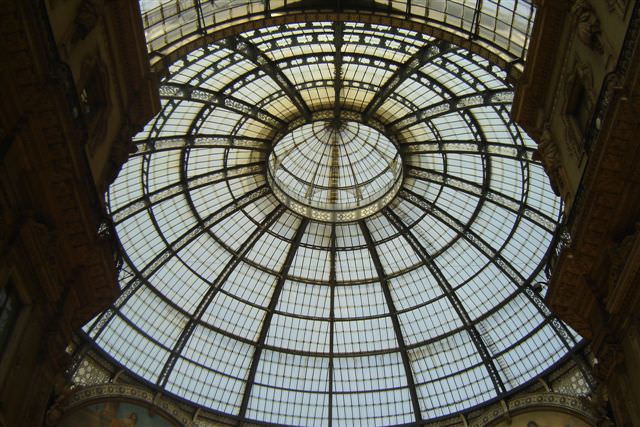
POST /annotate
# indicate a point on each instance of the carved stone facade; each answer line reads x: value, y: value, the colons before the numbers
x: 54, y: 265
x: 594, y: 283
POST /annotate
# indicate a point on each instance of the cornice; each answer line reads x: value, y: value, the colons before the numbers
x: 573, y: 405
x: 99, y: 393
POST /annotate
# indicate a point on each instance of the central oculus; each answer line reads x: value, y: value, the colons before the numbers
x: 335, y: 170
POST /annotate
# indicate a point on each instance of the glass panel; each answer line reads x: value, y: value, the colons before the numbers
x: 131, y: 348
x: 364, y: 335
x: 290, y: 407
x: 379, y: 408
x: 369, y: 373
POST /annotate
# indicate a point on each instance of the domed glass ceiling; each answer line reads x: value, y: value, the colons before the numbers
x: 423, y: 307
x: 334, y: 170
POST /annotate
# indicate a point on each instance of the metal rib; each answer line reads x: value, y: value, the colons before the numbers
x: 250, y: 51
x: 448, y: 291
x: 338, y: 41
x: 477, y: 99
x: 394, y: 320
x: 494, y: 256
x: 192, y: 183
x: 197, y: 94
x: 199, y: 140
x: 266, y: 323
x: 174, y: 247
x: 541, y: 219
x: 332, y: 315
x: 208, y: 297
x: 416, y: 61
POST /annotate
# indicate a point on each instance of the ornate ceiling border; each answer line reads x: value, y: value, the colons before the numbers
x: 98, y: 393
x: 552, y: 401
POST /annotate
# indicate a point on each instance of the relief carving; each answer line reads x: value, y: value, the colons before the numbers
x: 54, y: 412
x: 599, y: 400
x: 89, y: 14
x: 617, y: 6
x: 95, y: 99
x: 121, y: 149
x: 577, y: 103
x: 8, y: 229
x: 618, y: 258
x: 587, y: 25
x: 609, y: 354
x: 549, y: 155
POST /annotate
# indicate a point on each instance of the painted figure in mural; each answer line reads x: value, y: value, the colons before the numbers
x: 130, y: 421
x: 113, y: 413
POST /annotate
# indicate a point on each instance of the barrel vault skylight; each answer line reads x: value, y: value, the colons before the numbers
x: 333, y: 224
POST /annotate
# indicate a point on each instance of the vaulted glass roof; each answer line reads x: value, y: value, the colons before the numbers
x: 259, y: 306
x: 499, y: 28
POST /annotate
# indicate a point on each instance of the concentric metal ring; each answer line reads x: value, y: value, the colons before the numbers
x: 335, y: 171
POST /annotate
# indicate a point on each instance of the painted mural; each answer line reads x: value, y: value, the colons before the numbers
x: 114, y: 413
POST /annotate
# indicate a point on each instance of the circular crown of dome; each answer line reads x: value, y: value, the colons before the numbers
x: 336, y: 171
x: 240, y: 303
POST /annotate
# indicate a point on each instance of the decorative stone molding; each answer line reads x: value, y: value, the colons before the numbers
x: 120, y: 151
x: 601, y: 199
x: 49, y: 206
x: 572, y: 383
x: 89, y: 373
x: 574, y: 405
x: 532, y: 90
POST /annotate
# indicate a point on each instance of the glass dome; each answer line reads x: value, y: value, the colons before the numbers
x: 334, y: 170
x: 423, y: 307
